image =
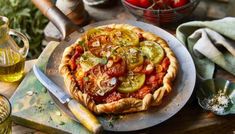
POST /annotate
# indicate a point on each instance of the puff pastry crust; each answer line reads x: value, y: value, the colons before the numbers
x: 124, y: 105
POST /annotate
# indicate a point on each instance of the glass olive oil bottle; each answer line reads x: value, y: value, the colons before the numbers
x: 12, y: 57
x: 11, y: 66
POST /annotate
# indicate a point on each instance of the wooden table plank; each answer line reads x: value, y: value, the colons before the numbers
x: 7, y: 89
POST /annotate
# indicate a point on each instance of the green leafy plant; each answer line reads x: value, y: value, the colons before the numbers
x: 26, y: 18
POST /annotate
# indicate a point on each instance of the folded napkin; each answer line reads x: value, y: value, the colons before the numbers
x: 210, y: 43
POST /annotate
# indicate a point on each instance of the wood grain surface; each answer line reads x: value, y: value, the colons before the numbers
x: 191, y: 119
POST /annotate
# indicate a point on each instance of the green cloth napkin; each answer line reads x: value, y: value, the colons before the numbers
x: 210, y: 43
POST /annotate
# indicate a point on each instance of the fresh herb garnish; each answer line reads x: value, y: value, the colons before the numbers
x: 61, y: 123
x: 85, y: 78
x: 110, y: 124
x: 104, y: 60
x: 112, y: 119
x: 82, y: 43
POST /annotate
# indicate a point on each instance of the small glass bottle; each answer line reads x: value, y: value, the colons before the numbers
x: 12, y: 57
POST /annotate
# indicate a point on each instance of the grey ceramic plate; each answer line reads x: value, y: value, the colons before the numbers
x: 210, y: 89
x: 182, y: 87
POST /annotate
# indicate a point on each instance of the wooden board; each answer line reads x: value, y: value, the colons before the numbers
x: 33, y: 107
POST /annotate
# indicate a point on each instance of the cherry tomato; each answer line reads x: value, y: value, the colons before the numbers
x: 134, y: 2
x: 145, y: 3
x: 162, y: 4
x: 179, y: 3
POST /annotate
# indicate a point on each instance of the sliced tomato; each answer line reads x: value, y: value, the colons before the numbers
x: 153, y: 51
x: 132, y: 55
x: 78, y: 52
x: 134, y: 59
x: 115, y: 67
x: 131, y: 83
x: 88, y: 61
x: 123, y: 37
x: 99, y: 44
x: 141, y: 92
x: 91, y: 33
x: 138, y: 69
x: 97, y: 83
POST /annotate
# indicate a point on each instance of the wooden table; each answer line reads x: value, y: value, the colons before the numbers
x: 191, y: 119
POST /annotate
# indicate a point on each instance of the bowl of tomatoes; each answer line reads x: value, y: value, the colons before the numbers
x: 160, y: 11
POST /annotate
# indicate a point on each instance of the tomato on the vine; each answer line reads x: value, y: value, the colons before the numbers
x: 162, y: 4
x: 145, y: 3
x: 179, y: 3
x: 134, y: 2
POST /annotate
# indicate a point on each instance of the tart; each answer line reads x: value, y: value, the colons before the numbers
x: 118, y: 68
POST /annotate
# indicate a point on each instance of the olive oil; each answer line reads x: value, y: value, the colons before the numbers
x: 12, y: 57
x: 11, y: 65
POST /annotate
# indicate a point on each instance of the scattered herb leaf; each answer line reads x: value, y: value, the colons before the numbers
x: 85, y: 78
x: 104, y: 61
x: 61, y: 123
